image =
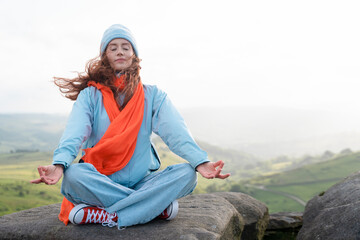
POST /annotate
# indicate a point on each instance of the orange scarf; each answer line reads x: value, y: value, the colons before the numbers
x: 116, y: 147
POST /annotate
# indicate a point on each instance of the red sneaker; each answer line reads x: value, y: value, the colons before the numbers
x: 170, y: 212
x: 83, y: 214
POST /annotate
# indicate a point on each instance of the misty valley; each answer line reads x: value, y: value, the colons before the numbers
x: 284, y: 182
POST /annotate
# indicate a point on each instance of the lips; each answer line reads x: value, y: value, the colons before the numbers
x: 120, y: 60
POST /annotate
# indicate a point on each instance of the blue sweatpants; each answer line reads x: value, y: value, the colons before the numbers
x: 82, y: 183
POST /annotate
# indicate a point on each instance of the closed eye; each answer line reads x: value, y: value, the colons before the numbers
x: 125, y: 46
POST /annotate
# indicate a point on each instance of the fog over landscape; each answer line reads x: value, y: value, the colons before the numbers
x: 268, y: 78
x: 263, y: 132
x: 272, y: 131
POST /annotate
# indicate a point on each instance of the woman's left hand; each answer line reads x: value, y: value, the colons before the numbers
x: 212, y: 170
x: 49, y: 175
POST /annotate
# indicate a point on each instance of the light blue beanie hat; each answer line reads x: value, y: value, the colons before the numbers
x: 117, y: 31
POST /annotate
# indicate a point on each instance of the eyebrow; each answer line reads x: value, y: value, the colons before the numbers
x: 115, y: 44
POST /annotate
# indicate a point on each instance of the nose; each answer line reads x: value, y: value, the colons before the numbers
x: 120, y: 52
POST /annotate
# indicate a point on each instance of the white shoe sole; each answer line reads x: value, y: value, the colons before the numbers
x: 75, y: 214
x: 174, y: 210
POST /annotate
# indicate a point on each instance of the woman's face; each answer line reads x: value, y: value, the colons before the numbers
x: 119, y: 53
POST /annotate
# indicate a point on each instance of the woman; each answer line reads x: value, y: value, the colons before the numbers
x: 116, y: 182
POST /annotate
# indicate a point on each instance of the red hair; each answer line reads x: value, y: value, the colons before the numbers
x: 100, y: 71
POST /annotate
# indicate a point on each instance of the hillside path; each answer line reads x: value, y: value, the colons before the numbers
x: 293, y: 197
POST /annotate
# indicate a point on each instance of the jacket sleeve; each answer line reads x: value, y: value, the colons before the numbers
x: 77, y: 131
x: 171, y: 127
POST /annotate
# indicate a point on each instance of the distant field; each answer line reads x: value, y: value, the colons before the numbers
x: 276, y: 202
x: 319, y: 174
x: 304, y: 183
x: 305, y: 191
x: 16, y: 193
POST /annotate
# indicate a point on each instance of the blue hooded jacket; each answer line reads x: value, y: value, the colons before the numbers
x: 88, y: 122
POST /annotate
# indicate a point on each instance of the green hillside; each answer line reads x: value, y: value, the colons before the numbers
x: 304, y: 182
x: 331, y: 170
x: 16, y: 193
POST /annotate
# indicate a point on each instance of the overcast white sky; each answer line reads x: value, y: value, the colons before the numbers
x: 301, y: 54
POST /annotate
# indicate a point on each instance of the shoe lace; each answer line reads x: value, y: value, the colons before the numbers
x: 109, y: 222
x: 101, y: 216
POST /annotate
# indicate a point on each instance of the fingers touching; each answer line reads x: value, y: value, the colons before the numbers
x: 219, y: 165
x: 212, y: 170
x: 36, y: 181
x: 47, y: 175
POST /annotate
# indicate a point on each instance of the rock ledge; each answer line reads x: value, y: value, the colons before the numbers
x: 204, y: 216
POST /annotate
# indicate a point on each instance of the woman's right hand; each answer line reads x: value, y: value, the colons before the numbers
x: 49, y: 175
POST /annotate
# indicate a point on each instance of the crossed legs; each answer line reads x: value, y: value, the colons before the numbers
x: 82, y: 183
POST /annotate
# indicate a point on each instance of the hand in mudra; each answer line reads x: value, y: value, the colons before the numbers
x: 49, y: 175
x: 212, y: 170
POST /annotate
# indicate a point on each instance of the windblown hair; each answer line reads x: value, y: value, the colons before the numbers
x: 99, y: 70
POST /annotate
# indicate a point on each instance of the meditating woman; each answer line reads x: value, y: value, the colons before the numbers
x: 117, y: 181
